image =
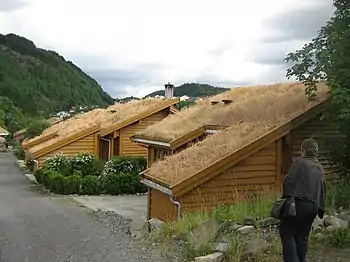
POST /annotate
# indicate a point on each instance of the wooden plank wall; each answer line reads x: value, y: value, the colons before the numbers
x: 129, y: 148
x: 319, y: 130
x: 254, y: 173
x: 85, y: 144
x: 160, y: 206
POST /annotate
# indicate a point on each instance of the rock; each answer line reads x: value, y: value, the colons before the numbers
x: 317, y: 222
x: 335, y: 222
x: 254, y: 246
x: 138, y: 228
x: 215, y: 257
x: 319, y: 236
x: 330, y: 228
x: 204, y: 233
x: 221, y: 247
x: 270, y: 221
x: 344, y: 216
x: 155, y: 223
x: 246, y: 229
x: 249, y: 221
x: 317, y: 229
x: 234, y: 227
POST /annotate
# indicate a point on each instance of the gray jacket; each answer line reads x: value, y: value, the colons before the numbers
x: 306, y: 179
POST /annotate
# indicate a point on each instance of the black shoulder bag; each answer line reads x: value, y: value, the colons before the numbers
x: 284, y: 207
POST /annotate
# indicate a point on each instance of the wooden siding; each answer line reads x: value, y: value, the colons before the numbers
x: 130, y: 148
x: 321, y: 131
x: 160, y: 206
x: 85, y: 144
x: 256, y: 172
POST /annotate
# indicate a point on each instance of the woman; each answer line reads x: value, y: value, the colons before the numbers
x: 305, y: 182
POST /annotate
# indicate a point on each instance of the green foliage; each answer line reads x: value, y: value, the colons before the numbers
x: 18, y: 151
x: 82, y: 175
x: 327, y: 58
x: 60, y: 163
x: 11, y: 117
x: 132, y: 165
x: 338, y: 194
x: 41, y: 82
x: 36, y: 127
x: 91, y: 185
x: 192, y: 90
x: 71, y: 184
x: 257, y: 206
x: 122, y: 183
x: 339, y: 238
x: 184, y: 104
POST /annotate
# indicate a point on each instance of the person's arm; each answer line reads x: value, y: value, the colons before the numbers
x: 321, y: 210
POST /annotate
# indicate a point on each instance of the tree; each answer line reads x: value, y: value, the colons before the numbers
x: 327, y: 58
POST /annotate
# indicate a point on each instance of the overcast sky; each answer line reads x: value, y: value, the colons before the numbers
x: 134, y: 47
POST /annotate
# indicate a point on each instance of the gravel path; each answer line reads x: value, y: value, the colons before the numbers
x: 36, y: 227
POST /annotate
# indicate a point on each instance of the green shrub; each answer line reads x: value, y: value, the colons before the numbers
x: 339, y: 238
x: 36, y: 127
x: 19, y: 152
x: 55, y: 182
x: 338, y: 194
x: 87, y: 164
x: 116, y: 184
x: 60, y: 163
x: 71, y: 185
x: 41, y: 175
x: 126, y: 165
x: 91, y: 185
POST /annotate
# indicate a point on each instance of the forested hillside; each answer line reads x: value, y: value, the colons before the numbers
x: 193, y: 90
x: 41, y: 82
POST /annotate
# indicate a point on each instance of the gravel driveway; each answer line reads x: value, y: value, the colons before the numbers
x: 36, y: 227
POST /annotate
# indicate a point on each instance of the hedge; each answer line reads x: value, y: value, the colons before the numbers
x: 82, y: 175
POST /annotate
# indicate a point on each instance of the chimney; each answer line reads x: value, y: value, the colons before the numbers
x: 169, y: 90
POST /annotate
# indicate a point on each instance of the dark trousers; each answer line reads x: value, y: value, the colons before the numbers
x: 294, y: 231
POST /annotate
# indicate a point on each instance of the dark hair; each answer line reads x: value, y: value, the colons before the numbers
x: 310, y: 147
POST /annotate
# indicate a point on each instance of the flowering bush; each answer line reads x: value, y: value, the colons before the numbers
x: 81, y: 174
x: 60, y: 163
x: 125, y: 165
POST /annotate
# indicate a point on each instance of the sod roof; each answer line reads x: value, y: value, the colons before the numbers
x: 255, y: 111
x: 104, y: 118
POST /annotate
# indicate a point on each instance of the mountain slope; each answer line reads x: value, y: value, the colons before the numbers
x: 193, y: 90
x: 41, y: 82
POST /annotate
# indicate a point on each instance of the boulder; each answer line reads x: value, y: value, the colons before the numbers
x: 253, y: 247
x: 270, y: 221
x: 249, y: 221
x: 138, y: 228
x: 246, y: 229
x: 336, y: 222
x: 215, y: 257
x: 205, y: 233
x: 221, y: 247
x: 155, y: 223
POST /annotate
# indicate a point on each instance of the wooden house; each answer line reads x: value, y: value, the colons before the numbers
x: 188, y: 126
x: 252, y: 154
x: 104, y: 132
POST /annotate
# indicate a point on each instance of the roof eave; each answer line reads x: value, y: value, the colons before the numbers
x: 151, y: 142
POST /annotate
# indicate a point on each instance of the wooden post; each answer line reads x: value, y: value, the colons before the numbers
x: 279, y: 168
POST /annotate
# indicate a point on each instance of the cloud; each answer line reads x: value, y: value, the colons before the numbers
x: 134, y: 47
x: 11, y: 5
x: 300, y: 23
